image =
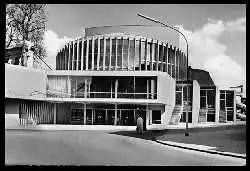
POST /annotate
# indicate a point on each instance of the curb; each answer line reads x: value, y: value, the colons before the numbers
x: 201, y: 150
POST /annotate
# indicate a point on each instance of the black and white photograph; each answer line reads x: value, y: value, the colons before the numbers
x: 125, y: 85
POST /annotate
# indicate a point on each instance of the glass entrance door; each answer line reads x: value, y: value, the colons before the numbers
x: 100, y: 117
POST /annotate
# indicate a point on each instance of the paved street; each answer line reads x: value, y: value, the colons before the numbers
x: 99, y: 148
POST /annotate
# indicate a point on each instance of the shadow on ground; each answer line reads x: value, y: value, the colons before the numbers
x: 227, y: 138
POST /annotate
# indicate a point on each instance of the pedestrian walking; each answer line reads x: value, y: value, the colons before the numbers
x: 139, y: 125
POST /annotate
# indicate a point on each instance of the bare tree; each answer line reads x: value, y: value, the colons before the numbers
x: 26, y: 22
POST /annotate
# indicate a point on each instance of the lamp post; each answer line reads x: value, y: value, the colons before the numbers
x: 166, y: 25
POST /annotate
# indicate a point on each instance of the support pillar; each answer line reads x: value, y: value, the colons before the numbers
x: 54, y: 113
x: 147, y: 117
x: 84, y: 113
x: 115, y: 123
x: 217, y: 104
x: 106, y: 117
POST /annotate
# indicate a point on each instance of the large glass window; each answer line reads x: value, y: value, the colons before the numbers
x: 143, y: 55
x: 102, y: 87
x: 125, y: 54
x: 169, y: 62
x: 75, y: 56
x: 90, y: 55
x: 84, y: 54
x: 137, y: 53
x: 131, y: 54
x: 101, y: 54
x: 113, y: 55
x: 95, y: 53
x: 79, y: 55
x: 119, y: 54
x: 125, y: 87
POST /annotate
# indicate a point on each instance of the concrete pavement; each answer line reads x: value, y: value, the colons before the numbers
x: 100, y: 148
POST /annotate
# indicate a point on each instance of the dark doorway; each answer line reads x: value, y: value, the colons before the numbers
x: 88, y: 116
x: 100, y: 117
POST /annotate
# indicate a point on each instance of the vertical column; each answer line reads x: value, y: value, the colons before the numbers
x: 152, y: 88
x: 82, y: 55
x: 217, y: 104
x: 110, y: 53
x: 116, y: 49
x: 134, y: 41
x: 86, y: 57
x: 147, y: 89
x: 98, y: 53
x: 128, y: 51
x: 93, y: 52
x: 77, y: 54
x: 162, y: 56
x: 84, y: 113
x: 147, y: 117
x: 166, y: 57
x: 115, y: 114
x: 116, y: 87
x: 151, y: 56
x: 122, y: 51
x: 92, y: 117
x: 54, y: 112
x: 65, y: 58
x: 234, y: 107
x: 104, y: 53
x: 146, y: 47
x: 106, y: 117
x: 139, y: 54
x: 73, y: 55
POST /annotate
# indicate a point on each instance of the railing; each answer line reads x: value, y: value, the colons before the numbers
x: 60, y: 94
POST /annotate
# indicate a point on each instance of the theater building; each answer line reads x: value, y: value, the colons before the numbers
x: 112, y: 74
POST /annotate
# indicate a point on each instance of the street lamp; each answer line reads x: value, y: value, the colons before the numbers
x: 166, y: 25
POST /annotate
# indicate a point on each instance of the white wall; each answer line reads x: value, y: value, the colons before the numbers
x: 22, y: 81
x: 196, y: 102
x: 166, y: 95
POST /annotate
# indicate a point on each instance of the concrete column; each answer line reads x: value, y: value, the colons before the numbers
x: 54, y: 113
x: 152, y: 88
x: 128, y: 51
x: 167, y: 57
x: 217, y: 104
x: 151, y: 55
x: 139, y: 54
x: 110, y: 53
x: 93, y: 52
x: 77, y: 54
x: 162, y: 56
x: 84, y: 113
x: 147, y: 117
x: 104, y: 53
x: 122, y: 50
x: 98, y: 53
x: 116, y: 87
x: 87, y: 55
x: 93, y: 113
x: 106, y: 117
x: 115, y: 114
x: 116, y: 49
x: 73, y: 55
x: 234, y: 105
x: 82, y: 55
x: 145, y: 53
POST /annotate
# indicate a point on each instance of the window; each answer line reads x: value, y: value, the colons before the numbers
x: 76, y: 114
x: 107, y: 58
x: 101, y: 54
x: 131, y: 54
x: 156, y: 117
x: 95, y: 53
x: 90, y: 55
x: 125, y: 54
x: 113, y: 54
x: 119, y: 54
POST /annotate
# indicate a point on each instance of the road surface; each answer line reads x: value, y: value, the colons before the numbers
x: 99, y: 148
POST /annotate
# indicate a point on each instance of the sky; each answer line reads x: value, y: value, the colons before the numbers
x: 216, y: 33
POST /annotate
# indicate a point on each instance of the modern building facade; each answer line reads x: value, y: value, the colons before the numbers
x: 112, y: 74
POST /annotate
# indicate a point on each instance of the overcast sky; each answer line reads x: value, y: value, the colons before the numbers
x: 216, y: 33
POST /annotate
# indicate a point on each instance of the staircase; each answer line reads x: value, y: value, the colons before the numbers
x: 176, y: 115
x: 202, y: 115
